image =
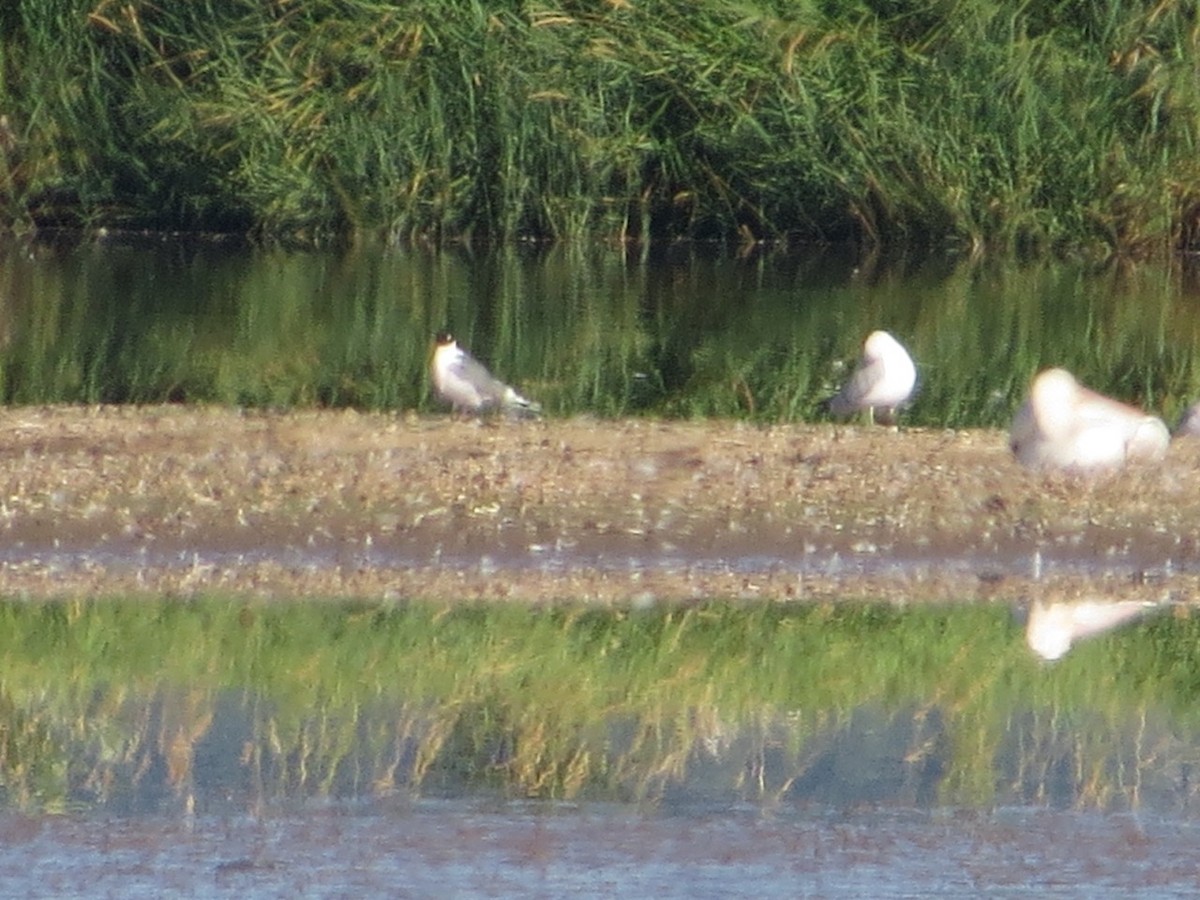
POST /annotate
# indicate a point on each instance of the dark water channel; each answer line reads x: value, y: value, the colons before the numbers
x: 211, y: 749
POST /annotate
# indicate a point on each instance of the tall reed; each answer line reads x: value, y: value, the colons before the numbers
x: 1051, y: 126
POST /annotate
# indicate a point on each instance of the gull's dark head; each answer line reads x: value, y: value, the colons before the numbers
x: 444, y: 338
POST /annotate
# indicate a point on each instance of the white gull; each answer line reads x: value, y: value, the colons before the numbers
x: 882, y: 382
x: 462, y: 381
x: 1064, y: 425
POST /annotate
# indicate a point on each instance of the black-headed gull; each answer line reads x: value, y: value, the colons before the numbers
x: 462, y: 381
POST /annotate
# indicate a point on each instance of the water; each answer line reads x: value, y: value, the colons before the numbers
x: 219, y: 748
x: 258, y: 749
x: 682, y: 331
x: 460, y: 849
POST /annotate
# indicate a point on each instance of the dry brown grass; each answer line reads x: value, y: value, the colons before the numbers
x: 176, y: 499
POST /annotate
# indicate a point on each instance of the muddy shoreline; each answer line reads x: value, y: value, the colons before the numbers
x: 181, y: 500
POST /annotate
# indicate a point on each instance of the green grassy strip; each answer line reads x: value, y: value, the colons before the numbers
x: 562, y: 701
x: 1035, y: 127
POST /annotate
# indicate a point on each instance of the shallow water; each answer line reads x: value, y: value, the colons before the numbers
x: 884, y: 756
x: 857, y: 558
x: 480, y: 849
x: 219, y: 747
x: 687, y: 330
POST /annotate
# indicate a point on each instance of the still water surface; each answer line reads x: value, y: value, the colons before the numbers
x: 463, y: 849
x: 214, y: 746
x: 200, y: 752
x: 683, y: 331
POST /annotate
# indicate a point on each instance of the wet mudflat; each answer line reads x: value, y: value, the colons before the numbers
x: 177, y: 499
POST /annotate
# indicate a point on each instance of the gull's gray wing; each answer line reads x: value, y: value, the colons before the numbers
x: 490, y: 389
x: 850, y: 399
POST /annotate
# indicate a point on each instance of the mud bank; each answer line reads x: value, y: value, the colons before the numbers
x: 100, y: 501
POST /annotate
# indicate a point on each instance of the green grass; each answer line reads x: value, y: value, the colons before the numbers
x: 1056, y: 126
x: 315, y: 699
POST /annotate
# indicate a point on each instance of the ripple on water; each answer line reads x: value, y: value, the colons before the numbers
x: 469, y: 848
x: 828, y: 561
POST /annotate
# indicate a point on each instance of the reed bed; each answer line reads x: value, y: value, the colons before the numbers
x: 1054, y: 126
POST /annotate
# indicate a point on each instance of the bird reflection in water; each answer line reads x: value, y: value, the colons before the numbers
x: 1052, y: 628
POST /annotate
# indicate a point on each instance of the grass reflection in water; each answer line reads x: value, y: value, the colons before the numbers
x: 146, y: 704
x: 688, y: 332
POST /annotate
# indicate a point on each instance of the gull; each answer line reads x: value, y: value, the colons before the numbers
x: 1189, y: 425
x: 1053, y: 627
x: 462, y: 381
x: 883, y: 380
x: 1064, y: 425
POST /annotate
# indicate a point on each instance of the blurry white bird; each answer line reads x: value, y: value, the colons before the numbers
x: 1189, y: 425
x: 1053, y: 627
x: 882, y: 381
x: 1064, y: 425
x: 462, y: 381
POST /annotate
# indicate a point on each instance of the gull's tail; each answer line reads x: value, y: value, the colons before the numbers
x: 516, y: 404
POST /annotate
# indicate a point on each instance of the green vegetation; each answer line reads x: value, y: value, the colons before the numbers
x: 583, y: 330
x: 100, y: 700
x: 1046, y: 126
